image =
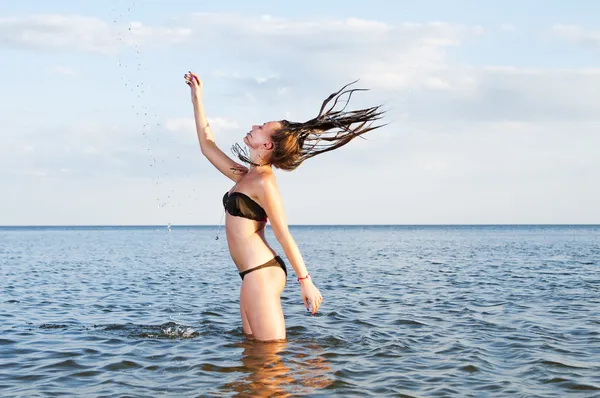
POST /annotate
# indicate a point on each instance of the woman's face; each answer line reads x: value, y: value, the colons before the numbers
x: 260, y: 136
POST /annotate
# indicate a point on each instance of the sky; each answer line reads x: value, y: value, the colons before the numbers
x: 493, y: 109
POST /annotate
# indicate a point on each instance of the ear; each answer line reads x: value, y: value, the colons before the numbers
x: 269, y: 145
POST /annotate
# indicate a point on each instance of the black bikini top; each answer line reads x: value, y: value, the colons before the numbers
x: 241, y: 205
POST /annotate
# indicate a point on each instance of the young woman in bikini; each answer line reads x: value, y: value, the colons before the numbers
x: 255, y: 198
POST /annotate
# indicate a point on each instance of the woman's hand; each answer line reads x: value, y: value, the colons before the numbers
x: 192, y: 80
x: 311, y: 294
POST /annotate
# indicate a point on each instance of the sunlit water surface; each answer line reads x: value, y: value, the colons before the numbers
x: 408, y: 311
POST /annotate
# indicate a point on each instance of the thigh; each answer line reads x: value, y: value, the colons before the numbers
x: 246, y: 329
x: 264, y: 314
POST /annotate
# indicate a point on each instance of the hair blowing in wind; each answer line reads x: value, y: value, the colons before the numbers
x: 330, y: 129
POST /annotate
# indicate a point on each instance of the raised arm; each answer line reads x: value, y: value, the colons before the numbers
x: 209, y: 148
x: 271, y: 201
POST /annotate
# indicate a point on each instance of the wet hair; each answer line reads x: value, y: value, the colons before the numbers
x: 330, y: 129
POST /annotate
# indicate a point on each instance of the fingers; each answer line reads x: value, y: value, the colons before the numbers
x: 195, y: 76
x: 316, y: 303
x: 192, y: 78
x: 315, y: 299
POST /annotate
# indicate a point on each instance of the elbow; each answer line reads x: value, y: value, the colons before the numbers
x: 281, y: 234
x: 205, y: 148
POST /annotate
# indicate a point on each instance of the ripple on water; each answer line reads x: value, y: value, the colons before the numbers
x: 66, y: 364
x: 6, y: 341
x: 121, y: 365
x: 53, y: 326
x: 169, y: 330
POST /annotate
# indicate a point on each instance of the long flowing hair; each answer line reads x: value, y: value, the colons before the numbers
x: 330, y: 129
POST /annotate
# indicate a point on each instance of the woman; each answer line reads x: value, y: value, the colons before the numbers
x: 255, y: 198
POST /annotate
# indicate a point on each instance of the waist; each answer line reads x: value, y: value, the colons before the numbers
x: 249, y: 251
x: 242, y: 232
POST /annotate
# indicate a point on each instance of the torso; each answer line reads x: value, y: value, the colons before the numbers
x: 245, y: 237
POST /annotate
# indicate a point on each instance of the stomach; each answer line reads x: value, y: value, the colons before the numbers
x: 247, y: 244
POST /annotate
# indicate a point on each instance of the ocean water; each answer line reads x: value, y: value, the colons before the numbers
x: 422, y: 311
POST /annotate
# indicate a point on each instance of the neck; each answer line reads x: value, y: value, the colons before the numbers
x: 259, y: 161
x: 258, y: 165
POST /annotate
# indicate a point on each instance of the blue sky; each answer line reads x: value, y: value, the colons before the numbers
x: 494, y: 108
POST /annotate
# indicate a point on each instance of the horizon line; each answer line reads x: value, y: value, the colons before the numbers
x: 293, y: 225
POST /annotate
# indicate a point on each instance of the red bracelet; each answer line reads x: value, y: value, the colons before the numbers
x: 306, y: 277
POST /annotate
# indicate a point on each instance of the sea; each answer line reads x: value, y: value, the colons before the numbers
x: 408, y: 311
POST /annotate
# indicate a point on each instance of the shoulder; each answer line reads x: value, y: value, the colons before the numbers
x: 267, y: 184
x: 270, y: 199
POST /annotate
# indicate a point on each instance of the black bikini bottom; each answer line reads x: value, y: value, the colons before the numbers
x: 274, y: 262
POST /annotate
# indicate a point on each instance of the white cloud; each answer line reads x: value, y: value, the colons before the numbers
x: 506, y: 94
x: 385, y: 56
x: 187, y: 124
x: 223, y: 124
x: 180, y: 125
x: 578, y: 34
x: 35, y: 173
x: 258, y: 80
x: 47, y: 32
x: 436, y: 83
x: 63, y: 70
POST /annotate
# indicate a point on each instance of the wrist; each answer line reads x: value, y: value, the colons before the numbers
x: 304, y: 279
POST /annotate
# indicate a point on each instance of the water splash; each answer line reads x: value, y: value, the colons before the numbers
x: 169, y: 330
